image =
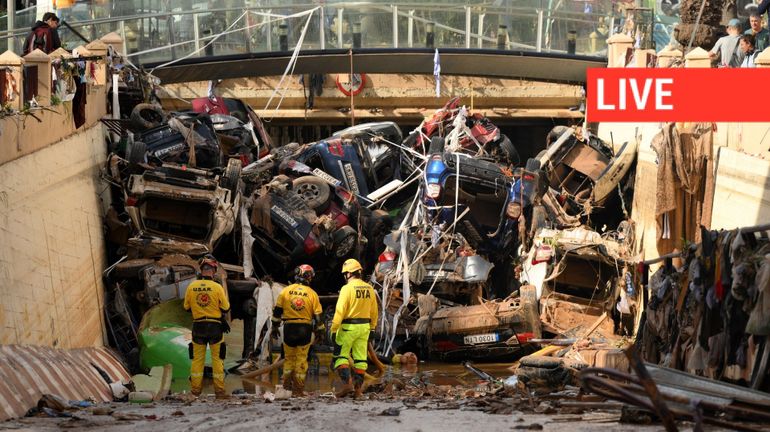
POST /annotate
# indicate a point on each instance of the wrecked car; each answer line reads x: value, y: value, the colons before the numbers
x: 586, y: 170
x: 473, y: 133
x: 498, y: 330
x: 187, y: 205
x: 452, y: 270
x: 360, y: 157
x: 307, y: 220
x: 580, y: 275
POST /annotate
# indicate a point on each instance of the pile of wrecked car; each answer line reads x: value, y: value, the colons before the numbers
x: 466, y: 243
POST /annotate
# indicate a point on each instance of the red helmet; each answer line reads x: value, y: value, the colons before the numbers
x: 210, y: 261
x: 304, y: 273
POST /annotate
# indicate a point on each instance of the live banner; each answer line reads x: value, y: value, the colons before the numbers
x: 678, y: 95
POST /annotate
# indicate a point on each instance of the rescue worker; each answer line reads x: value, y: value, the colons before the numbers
x: 209, y: 305
x: 299, y: 308
x: 355, y: 319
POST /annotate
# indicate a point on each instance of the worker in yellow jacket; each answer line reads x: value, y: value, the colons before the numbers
x: 299, y: 308
x: 209, y: 305
x: 355, y: 318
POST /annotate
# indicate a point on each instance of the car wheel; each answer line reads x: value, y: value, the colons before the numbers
x: 314, y: 191
x: 147, y: 116
x: 436, y: 145
x: 538, y: 220
x: 380, y: 224
x: 345, y: 241
x: 231, y: 178
x: 136, y: 152
x: 509, y: 151
x: 532, y: 164
x: 554, y: 134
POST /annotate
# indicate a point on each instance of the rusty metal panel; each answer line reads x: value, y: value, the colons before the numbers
x: 28, y: 372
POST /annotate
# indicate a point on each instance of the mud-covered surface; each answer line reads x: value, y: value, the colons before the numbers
x: 253, y: 413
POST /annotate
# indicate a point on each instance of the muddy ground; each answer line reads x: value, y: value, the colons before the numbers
x: 317, y: 413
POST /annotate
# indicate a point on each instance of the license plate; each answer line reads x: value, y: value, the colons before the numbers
x: 481, y: 338
x: 350, y: 175
x: 284, y: 216
x: 323, y: 175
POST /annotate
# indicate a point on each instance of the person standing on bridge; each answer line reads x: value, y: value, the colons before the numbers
x: 208, y: 302
x: 43, y: 35
x: 355, y: 319
x: 298, y: 307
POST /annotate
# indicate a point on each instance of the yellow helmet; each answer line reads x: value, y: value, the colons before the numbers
x: 351, y: 265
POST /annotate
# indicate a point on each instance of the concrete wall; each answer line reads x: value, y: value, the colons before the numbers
x: 23, y: 135
x: 51, y: 243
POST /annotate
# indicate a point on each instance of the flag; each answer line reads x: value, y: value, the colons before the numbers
x: 437, y: 73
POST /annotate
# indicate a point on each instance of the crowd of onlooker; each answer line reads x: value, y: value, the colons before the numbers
x: 740, y: 48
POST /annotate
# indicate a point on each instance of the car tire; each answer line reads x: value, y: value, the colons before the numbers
x: 554, y: 134
x: 538, y: 220
x: 380, y: 224
x: 436, y: 145
x: 231, y: 178
x: 314, y: 191
x: 345, y: 241
x: 532, y: 165
x: 136, y: 152
x: 509, y: 150
x: 147, y: 116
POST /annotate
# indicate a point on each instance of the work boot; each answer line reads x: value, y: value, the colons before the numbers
x: 346, y: 387
x: 195, y: 392
x: 358, y: 385
x: 298, y: 389
x: 222, y: 395
x: 288, y: 381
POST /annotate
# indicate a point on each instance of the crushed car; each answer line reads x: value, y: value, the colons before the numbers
x: 497, y: 330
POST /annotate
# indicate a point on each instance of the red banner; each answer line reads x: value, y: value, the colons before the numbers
x: 678, y: 95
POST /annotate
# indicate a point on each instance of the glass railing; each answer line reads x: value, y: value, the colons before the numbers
x: 192, y: 28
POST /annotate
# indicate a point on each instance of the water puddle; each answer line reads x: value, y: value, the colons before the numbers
x: 320, y: 375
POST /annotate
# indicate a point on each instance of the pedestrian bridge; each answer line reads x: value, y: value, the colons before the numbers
x: 184, y: 41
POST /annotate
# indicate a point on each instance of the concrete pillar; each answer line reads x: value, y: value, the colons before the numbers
x: 85, y: 52
x: 99, y: 48
x: 10, y: 66
x: 697, y: 58
x: 763, y: 58
x: 668, y: 56
x: 56, y: 56
x: 617, y: 48
x: 113, y: 39
x: 43, y: 62
x: 645, y: 58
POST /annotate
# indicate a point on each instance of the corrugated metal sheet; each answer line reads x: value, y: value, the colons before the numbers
x: 28, y: 372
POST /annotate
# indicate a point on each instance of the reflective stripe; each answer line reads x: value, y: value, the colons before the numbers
x: 356, y: 321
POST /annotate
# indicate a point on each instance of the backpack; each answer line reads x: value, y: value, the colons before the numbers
x: 37, y: 39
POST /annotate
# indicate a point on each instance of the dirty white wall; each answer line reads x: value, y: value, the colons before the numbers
x: 742, y: 196
x: 51, y: 244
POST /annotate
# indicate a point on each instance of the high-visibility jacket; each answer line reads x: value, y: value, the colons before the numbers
x: 357, y: 304
x: 207, y: 300
x: 297, y: 303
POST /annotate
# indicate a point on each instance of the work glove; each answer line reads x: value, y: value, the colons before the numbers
x: 225, y: 325
x: 371, y: 336
x: 275, y: 333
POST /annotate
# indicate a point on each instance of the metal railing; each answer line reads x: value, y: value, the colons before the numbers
x: 170, y: 35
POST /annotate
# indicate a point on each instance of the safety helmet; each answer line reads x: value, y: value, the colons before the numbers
x: 350, y: 266
x: 304, y: 273
x: 209, y: 260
